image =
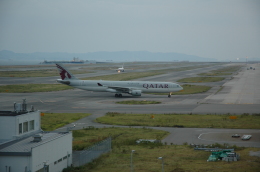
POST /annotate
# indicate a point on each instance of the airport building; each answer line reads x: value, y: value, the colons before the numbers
x: 24, y: 147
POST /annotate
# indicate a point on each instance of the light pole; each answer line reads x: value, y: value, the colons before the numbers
x: 162, y: 163
x: 132, y: 160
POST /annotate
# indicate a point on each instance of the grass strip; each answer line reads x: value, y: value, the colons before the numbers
x: 244, y: 121
x: 134, y: 102
x: 224, y: 71
x: 54, y: 72
x: 176, y: 158
x: 121, y: 136
x: 201, y: 79
x: 36, y: 73
x: 30, y: 88
x: 53, y: 121
x: 188, y: 89
x: 137, y: 75
x: 214, y: 74
x: 124, y: 76
x: 228, y: 69
x: 145, y: 158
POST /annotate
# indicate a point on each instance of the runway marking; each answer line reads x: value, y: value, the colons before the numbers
x: 200, y: 135
x: 213, y: 140
x: 238, y: 141
x: 41, y: 101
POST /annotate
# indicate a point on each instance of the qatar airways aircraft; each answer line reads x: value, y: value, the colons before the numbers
x: 135, y: 88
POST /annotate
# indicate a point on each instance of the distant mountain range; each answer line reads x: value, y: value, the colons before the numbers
x: 120, y: 56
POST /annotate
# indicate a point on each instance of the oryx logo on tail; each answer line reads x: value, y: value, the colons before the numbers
x: 64, y: 74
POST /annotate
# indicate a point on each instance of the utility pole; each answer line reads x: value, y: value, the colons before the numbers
x: 162, y: 163
x: 132, y: 160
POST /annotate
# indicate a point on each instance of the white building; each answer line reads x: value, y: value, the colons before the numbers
x: 24, y: 147
x: 15, y: 125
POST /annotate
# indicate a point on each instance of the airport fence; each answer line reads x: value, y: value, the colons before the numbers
x: 83, y: 157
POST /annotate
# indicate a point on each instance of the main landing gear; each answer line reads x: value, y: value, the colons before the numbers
x: 118, y: 95
x: 169, y: 95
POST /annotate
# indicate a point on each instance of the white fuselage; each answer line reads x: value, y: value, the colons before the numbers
x: 120, y: 70
x: 110, y: 86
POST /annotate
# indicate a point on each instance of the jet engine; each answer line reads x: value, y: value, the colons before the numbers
x: 111, y: 90
x: 136, y: 92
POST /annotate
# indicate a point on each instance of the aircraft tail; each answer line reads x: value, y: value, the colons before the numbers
x: 64, y: 73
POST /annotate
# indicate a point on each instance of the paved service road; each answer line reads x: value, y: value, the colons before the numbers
x: 239, y: 94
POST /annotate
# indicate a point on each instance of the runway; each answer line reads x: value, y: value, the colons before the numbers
x: 239, y: 93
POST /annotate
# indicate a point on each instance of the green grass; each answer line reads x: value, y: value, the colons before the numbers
x: 188, y: 89
x: 192, y: 89
x: 201, y: 79
x: 134, y: 102
x: 121, y: 136
x: 124, y: 76
x: 177, y: 158
x: 36, y: 73
x: 53, y: 121
x: 87, y: 68
x: 228, y: 69
x: 30, y: 88
x: 145, y: 159
x: 24, y: 66
x: 181, y: 120
x: 136, y: 75
x: 214, y: 74
x: 224, y: 71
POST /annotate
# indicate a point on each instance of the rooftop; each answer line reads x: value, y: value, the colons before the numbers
x: 24, y: 146
x: 11, y: 113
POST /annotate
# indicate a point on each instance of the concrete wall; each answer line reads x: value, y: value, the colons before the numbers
x: 16, y: 163
x: 9, y: 125
x: 53, y: 154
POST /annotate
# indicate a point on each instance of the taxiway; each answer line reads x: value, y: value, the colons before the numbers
x: 239, y: 93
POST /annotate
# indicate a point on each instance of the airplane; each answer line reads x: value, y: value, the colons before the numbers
x: 121, y: 69
x: 134, y: 88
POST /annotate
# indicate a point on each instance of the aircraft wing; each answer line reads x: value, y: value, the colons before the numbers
x: 121, y: 89
x: 117, y: 88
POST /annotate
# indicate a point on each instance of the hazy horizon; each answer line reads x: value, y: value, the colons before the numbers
x: 223, y: 30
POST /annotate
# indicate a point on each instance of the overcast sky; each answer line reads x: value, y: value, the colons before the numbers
x: 220, y: 29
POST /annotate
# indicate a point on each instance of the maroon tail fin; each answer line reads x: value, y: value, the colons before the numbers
x: 64, y: 73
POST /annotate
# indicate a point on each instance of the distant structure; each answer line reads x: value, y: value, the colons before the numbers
x: 75, y: 60
x: 25, y: 147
